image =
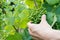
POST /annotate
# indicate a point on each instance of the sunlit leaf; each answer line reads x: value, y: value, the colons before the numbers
x: 30, y: 3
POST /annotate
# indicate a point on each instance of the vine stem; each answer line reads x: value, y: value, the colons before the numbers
x: 15, y: 28
x: 55, y: 19
x: 35, y: 4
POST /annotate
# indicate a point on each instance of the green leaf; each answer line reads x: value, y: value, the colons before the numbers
x: 9, y: 29
x: 30, y: 3
x: 48, y: 7
x: 17, y: 36
x: 50, y: 17
x: 57, y: 12
x: 52, y: 2
x: 10, y: 20
x: 24, y: 18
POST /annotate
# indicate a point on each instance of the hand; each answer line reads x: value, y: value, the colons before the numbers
x: 41, y: 30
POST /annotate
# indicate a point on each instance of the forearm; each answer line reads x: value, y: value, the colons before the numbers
x: 50, y: 35
x: 57, y: 33
x: 54, y: 35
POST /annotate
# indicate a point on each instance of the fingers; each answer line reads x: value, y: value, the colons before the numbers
x: 30, y: 25
x: 34, y: 35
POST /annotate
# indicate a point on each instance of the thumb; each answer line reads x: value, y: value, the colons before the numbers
x: 43, y: 18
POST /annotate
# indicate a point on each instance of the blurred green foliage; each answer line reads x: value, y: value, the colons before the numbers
x: 13, y: 20
x: 15, y: 14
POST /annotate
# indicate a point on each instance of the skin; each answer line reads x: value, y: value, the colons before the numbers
x: 43, y: 31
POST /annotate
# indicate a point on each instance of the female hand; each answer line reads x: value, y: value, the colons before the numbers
x: 43, y: 30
